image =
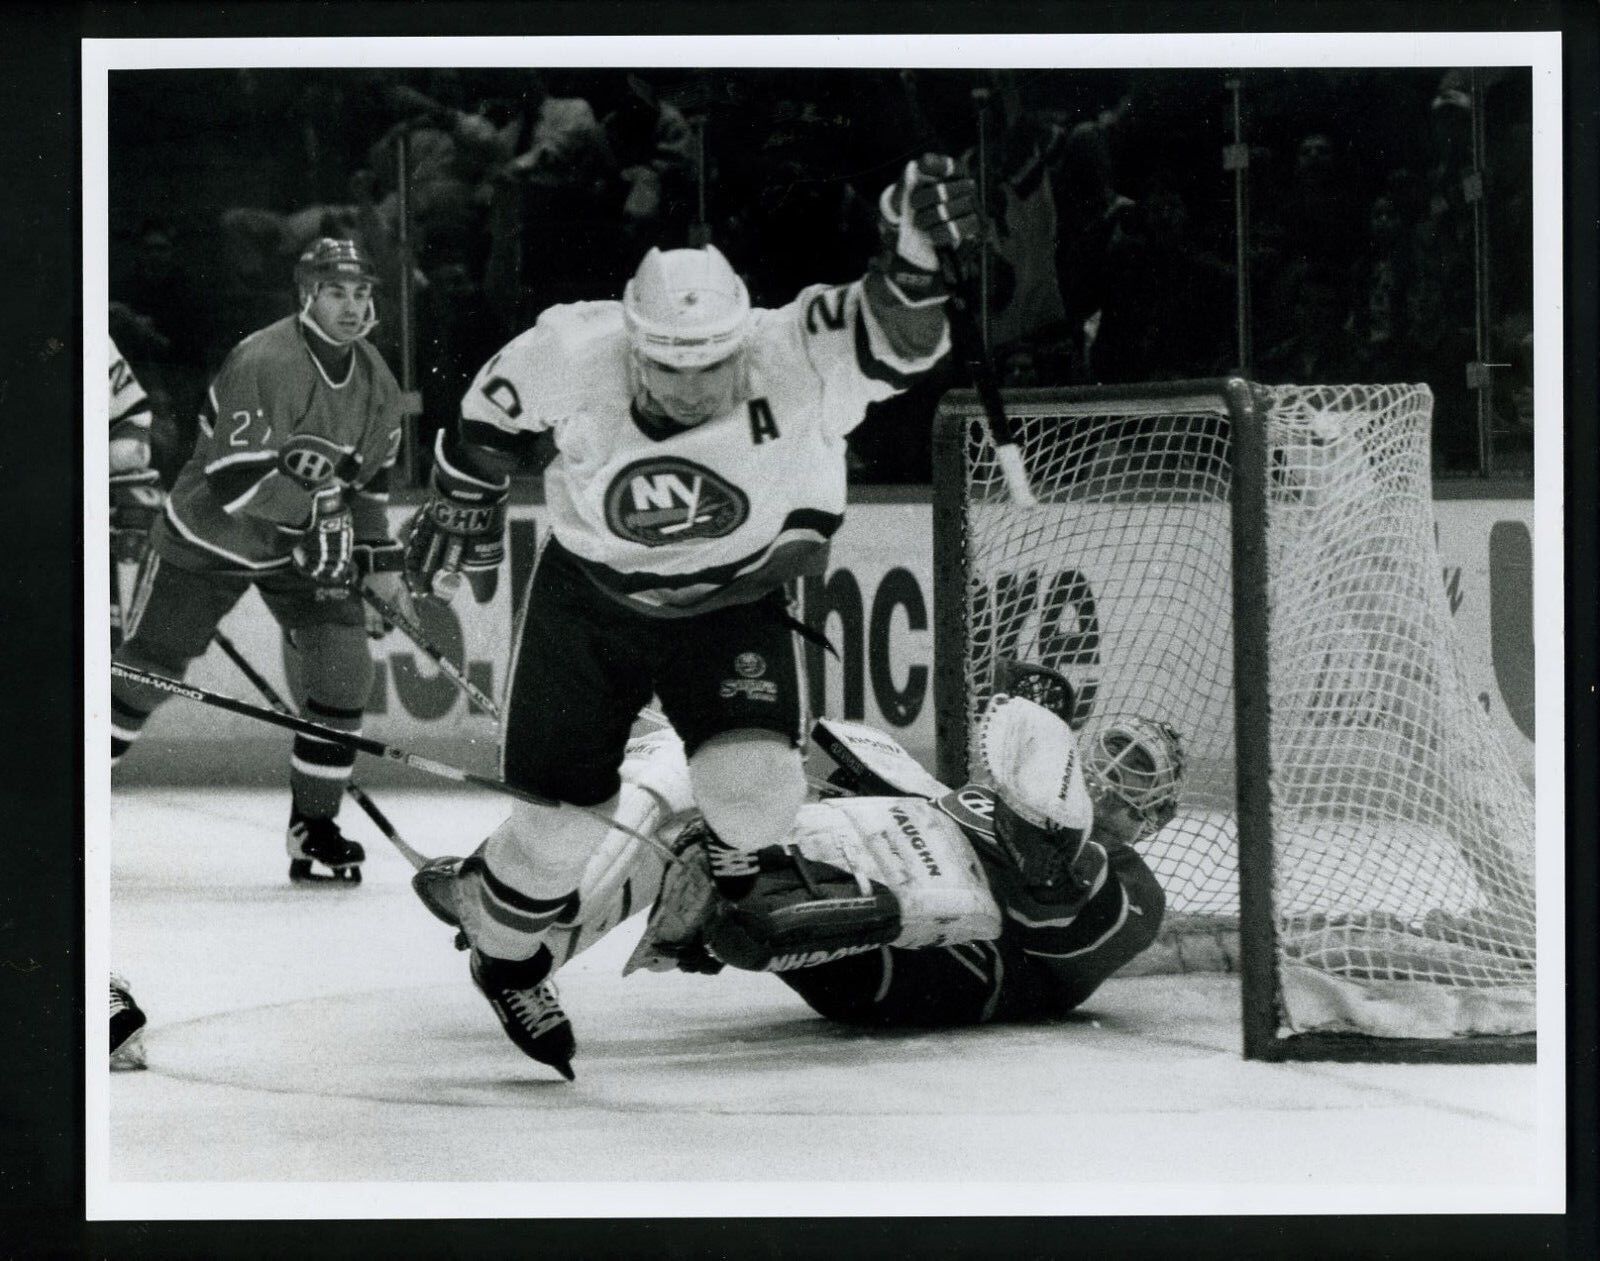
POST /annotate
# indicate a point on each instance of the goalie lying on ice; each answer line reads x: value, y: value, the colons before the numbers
x: 944, y: 906
x: 993, y: 902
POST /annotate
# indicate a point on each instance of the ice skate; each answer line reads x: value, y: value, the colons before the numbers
x: 529, y: 1009
x: 320, y: 854
x: 127, y: 1028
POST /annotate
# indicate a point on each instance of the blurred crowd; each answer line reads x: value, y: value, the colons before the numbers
x: 1111, y: 250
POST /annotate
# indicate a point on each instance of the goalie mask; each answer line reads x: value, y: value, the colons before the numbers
x: 1138, y: 762
x: 348, y: 313
x: 688, y: 316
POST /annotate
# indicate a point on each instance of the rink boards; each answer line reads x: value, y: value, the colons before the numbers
x: 876, y: 605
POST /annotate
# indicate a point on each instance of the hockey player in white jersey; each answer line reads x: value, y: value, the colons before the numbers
x: 695, y: 463
x: 136, y: 494
x: 136, y: 499
x: 1011, y: 899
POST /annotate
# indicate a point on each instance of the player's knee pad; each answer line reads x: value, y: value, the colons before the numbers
x: 336, y: 664
x: 749, y: 785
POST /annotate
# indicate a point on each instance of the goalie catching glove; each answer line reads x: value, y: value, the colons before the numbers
x: 460, y: 530
x: 1044, y: 865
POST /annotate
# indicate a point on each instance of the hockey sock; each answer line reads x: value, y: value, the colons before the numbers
x: 501, y: 920
x: 318, y: 771
x: 126, y: 724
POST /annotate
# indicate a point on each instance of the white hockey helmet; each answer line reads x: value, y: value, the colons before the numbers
x: 686, y: 308
x: 687, y: 314
x: 1138, y: 761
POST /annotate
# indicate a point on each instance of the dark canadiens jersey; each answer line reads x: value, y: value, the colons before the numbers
x: 276, y: 427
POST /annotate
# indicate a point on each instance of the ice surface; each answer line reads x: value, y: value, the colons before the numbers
x: 331, y: 1035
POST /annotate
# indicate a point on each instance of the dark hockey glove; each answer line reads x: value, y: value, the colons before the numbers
x: 460, y: 530
x: 927, y: 218
x: 136, y: 500
x: 1040, y: 874
x: 326, y: 551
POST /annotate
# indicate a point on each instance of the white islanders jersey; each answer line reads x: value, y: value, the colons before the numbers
x: 130, y: 418
x: 679, y: 521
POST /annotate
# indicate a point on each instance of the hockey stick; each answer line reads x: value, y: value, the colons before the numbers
x: 367, y: 745
x: 967, y: 339
x: 414, y: 632
x: 356, y: 792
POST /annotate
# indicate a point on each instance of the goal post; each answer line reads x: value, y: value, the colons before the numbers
x: 1256, y: 565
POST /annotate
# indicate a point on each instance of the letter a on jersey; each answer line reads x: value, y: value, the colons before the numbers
x: 666, y: 500
x: 763, y: 425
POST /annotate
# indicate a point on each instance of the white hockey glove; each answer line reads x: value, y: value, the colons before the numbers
x: 674, y: 938
x: 136, y: 501
x: 927, y: 218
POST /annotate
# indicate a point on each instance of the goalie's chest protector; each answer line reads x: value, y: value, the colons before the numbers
x: 676, y: 521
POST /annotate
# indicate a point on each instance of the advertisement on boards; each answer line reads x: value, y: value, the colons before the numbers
x: 875, y: 605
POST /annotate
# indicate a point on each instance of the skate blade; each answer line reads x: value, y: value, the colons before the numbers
x: 130, y: 1056
x: 302, y: 872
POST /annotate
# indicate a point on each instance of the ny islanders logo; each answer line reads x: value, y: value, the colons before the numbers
x: 667, y: 500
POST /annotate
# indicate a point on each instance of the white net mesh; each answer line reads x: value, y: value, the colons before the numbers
x: 1403, y: 837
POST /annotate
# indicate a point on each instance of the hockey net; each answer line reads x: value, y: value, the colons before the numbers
x: 1400, y: 836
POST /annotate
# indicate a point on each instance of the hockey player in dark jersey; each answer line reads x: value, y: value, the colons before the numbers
x: 694, y: 463
x: 286, y: 491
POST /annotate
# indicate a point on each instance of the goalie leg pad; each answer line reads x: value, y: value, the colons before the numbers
x: 916, y: 852
x: 801, y: 913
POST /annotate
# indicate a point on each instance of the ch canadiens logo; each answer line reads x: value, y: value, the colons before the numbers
x: 310, y: 460
x: 666, y: 500
x: 972, y: 807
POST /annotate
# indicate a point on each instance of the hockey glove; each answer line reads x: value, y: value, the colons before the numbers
x: 326, y: 551
x: 930, y: 210
x: 1040, y: 874
x: 136, y: 500
x: 460, y: 530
